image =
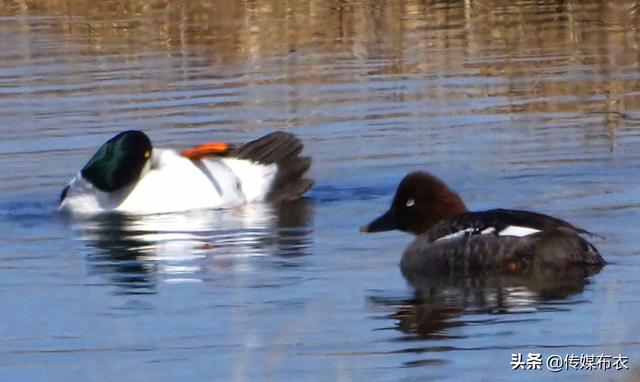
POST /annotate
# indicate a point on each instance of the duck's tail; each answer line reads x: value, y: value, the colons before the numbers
x: 283, y: 150
x: 564, y: 247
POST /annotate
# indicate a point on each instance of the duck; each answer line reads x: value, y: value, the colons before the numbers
x: 450, y: 238
x: 127, y: 174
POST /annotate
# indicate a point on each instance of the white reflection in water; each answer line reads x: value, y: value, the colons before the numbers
x: 194, y: 246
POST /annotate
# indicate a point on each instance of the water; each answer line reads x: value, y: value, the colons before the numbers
x: 515, y: 104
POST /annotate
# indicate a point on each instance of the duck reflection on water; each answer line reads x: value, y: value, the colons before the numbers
x: 451, y: 300
x: 136, y: 252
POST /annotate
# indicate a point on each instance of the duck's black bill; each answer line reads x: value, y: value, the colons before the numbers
x: 386, y: 222
x: 64, y: 193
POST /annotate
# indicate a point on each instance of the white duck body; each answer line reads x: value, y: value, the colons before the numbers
x: 172, y: 183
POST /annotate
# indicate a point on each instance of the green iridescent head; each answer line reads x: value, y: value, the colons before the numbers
x: 119, y: 162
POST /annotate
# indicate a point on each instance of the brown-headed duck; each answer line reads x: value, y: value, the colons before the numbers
x: 450, y: 237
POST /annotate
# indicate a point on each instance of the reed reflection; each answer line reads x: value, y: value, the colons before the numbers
x: 138, y: 252
x: 539, y: 50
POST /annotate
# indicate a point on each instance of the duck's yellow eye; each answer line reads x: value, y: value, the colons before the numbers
x: 147, y: 154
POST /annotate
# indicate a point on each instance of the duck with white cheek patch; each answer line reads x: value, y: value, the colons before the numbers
x: 451, y: 238
x: 127, y: 174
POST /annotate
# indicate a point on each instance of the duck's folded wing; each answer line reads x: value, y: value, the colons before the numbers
x: 499, y: 222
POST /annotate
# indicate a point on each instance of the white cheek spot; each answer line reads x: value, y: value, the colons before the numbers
x: 410, y: 202
x: 514, y: 230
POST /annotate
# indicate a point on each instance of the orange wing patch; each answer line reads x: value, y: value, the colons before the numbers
x: 208, y: 149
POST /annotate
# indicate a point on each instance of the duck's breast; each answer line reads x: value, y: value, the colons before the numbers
x: 83, y: 198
